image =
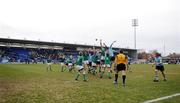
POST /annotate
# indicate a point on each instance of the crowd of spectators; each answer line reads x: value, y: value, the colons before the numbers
x: 28, y: 55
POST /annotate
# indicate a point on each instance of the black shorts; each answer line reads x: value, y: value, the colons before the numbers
x: 161, y: 68
x: 102, y: 62
x: 80, y: 70
x: 90, y: 64
x: 97, y: 62
x: 121, y: 67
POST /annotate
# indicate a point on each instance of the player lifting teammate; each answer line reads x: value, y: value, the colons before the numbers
x: 102, y: 63
x: 80, y: 67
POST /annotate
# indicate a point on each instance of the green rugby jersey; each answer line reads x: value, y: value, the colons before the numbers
x: 49, y: 61
x: 107, y: 60
x: 80, y: 60
x: 103, y: 52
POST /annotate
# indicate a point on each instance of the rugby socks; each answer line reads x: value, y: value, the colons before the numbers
x: 116, y: 77
x: 163, y: 75
x: 102, y: 74
x: 77, y: 76
x: 156, y: 76
x: 50, y: 69
x: 94, y: 71
x: 84, y: 77
x: 62, y: 69
x: 109, y: 74
x: 99, y: 70
x: 124, y: 78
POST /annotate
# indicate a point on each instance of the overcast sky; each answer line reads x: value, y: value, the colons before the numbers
x: 82, y: 21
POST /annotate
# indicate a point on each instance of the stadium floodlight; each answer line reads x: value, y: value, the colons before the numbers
x: 134, y: 24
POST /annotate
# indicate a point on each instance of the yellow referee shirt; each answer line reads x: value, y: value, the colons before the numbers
x: 121, y: 58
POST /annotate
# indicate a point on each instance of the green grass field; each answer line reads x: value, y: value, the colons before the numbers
x: 20, y: 83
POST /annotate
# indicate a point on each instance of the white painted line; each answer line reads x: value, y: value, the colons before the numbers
x: 162, y: 98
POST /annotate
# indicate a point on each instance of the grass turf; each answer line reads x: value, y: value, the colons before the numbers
x: 20, y: 83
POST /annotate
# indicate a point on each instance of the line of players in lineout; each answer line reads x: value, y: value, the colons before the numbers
x: 97, y: 62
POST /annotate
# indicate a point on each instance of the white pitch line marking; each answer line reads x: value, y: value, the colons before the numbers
x: 162, y: 98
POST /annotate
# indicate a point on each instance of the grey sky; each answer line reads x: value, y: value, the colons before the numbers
x: 82, y: 21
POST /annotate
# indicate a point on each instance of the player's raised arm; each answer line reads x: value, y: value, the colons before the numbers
x: 112, y: 44
x: 105, y: 46
x: 94, y: 49
x: 101, y: 43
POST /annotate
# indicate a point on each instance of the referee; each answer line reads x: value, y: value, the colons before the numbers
x: 120, y: 62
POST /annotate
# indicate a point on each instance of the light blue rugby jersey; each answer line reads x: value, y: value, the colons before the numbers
x: 158, y: 61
